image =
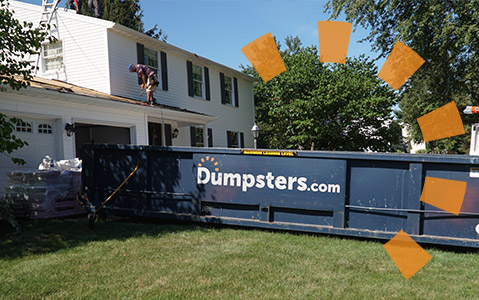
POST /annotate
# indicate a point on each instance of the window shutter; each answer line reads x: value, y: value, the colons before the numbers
x: 228, y: 138
x: 210, y: 137
x: 241, y: 142
x: 164, y: 71
x: 168, y: 140
x: 189, y: 71
x: 236, y: 92
x: 140, y: 57
x: 222, y: 88
x: 193, y: 136
x: 207, y: 83
x: 140, y: 53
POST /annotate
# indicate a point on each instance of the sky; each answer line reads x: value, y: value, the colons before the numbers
x: 218, y: 29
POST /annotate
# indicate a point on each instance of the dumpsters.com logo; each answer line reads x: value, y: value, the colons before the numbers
x: 259, y: 181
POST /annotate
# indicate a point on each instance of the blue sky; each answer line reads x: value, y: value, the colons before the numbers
x: 218, y: 29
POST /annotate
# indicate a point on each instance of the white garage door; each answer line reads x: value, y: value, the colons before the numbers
x: 41, y: 135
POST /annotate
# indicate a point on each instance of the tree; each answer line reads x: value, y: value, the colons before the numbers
x: 127, y: 13
x: 19, y: 41
x: 315, y: 106
x: 445, y: 34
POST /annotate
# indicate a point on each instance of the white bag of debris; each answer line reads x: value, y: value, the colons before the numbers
x: 74, y: 164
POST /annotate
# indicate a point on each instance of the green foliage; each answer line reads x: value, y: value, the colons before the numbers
x: 442, y: 32
x: 127, y: 13
x: 314, y: 106
x: 19, y: 41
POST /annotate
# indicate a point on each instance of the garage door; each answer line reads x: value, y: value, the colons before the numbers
x: 41, y: 135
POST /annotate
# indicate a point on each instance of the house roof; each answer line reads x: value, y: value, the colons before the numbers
x: 68, y: 88
x: 141, y: 37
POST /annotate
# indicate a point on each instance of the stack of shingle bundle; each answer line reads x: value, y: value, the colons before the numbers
x: 43, y: 194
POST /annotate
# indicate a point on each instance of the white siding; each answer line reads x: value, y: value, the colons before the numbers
x: 85, y: 53
x: 97, y: 57
x: 123, y: 52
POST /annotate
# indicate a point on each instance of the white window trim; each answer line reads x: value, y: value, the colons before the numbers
x: 32, y: 127
x: 46, y: 133
x: 203, y: 88
x: 232, y: 95
x: 239, y: 139
x: 153, y: 68
x: 45, y: 58
x: 199, y: 144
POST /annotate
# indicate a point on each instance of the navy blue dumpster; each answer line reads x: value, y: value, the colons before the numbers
x: 358, y: 194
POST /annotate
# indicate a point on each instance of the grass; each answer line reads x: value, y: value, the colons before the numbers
x: 63, y: 259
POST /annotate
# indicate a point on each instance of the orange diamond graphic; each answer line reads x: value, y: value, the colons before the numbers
x: 264, y: 56
x: 445, y: 194
x: 401, y: 64
x: 441, y: 123
x: 333, y: 41
x: 408, y: 256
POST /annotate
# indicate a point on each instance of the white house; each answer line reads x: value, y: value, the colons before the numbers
x: 83, y: 80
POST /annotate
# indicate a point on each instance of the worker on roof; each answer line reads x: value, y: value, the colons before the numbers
x: 149, y: 80
x: 92, y: 4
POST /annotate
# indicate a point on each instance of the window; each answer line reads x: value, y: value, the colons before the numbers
x: 151, y: 59
x: 228, y: 90
x: 24, y: 127
x: 235, y: 139
x: 45, y: 128
x: 53, y: 56
x: 200, y: 141
x: 198, y: 137
x: 154, y: 134
x: 197, y: 81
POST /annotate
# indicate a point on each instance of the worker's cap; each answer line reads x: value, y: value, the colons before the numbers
x: 130, y: 68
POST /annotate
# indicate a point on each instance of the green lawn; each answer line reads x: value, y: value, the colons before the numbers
x: 63, y: 259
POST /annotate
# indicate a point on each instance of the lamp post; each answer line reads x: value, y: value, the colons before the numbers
x: 255, y: 132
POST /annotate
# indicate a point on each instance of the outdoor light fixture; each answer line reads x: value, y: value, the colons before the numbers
x: 174, y: 134
x: 255, y: 132
x: 70, y: 129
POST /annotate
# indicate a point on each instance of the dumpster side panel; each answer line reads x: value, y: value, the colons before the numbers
x: 374, y: 185
x: 112, y: 166
x: 271, y: 189
x: 447, y: 224
x: 170, y: 187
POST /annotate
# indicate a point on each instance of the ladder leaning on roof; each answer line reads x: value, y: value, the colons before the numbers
x: 48, y: 9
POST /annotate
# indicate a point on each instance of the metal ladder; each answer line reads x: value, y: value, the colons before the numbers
x: 48, y: 9
x: 47, y: 12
